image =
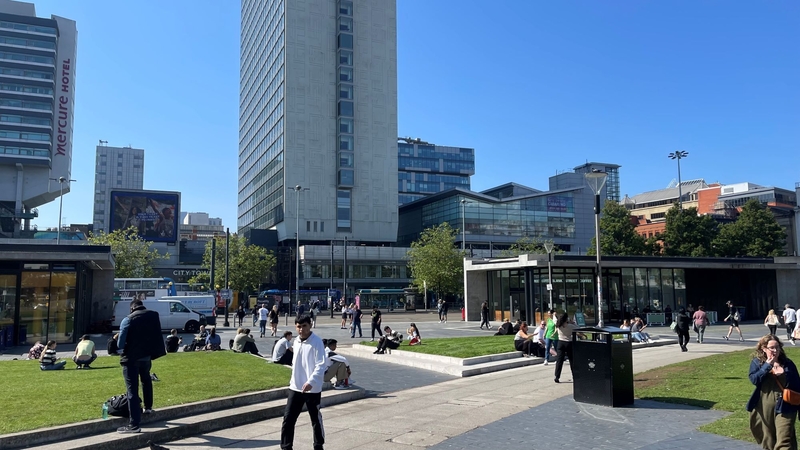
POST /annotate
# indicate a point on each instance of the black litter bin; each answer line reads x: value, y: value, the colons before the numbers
x: 603, y: 366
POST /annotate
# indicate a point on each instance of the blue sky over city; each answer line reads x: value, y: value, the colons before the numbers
x: 535, y: 87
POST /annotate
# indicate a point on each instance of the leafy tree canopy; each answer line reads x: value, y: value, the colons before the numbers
x: 618, y: 234
x: 755, y: 233
x: 529, y: 246
x: 133, y: 256
x: 249, y: 265
x: 687, y: 234
x: 435, y: 260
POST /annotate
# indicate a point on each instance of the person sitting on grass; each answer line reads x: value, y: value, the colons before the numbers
x: 391, y: 340
x: 282, y: 352
x: 84, y: 353
x: 36, y: 351
x: 244, y: 343
x: 213, y: 341
x: 111, y: 345
x: 414, y: 337
x: 49, y: 360
x: 505, y: 329
x: 337, y: 366
x: 173, y: 341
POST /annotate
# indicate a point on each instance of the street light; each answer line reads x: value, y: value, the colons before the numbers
x: 297, y: 190
x: 680, y: 154
x: 596, y: 181
x: 549, y: 247
x: 61, y: 181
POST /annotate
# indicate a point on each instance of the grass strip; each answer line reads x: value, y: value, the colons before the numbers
x: 32, y: 398
x: 716, y: 382
x: 459, y: 347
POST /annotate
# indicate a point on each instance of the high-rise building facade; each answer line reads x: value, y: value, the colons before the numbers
x: 424, y: 169
x: 116, y: 168
x: 318, y: 109
x: 37, y: 94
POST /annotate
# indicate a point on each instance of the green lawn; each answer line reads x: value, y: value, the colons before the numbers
x: 32, y: 398
x: 717, y: 382
x: 460, y: 347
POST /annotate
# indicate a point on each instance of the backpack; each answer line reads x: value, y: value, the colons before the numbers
x: 118, y: 406
x: 736, y: 316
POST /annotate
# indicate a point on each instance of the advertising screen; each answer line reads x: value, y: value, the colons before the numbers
x: 153, y: 214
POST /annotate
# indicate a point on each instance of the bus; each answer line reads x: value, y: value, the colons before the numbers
x: 143, y: 288
x: 276, y: 296
x: 189, y: 289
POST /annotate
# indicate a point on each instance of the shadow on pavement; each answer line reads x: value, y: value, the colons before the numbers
x: 673, y: 403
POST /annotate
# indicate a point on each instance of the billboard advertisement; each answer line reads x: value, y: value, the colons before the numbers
x: 153, y: 214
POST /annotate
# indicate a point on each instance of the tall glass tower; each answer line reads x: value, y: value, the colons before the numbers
x: 318, y: 109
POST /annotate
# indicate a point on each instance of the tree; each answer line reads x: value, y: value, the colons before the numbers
x: 688, y: 234
x: 133, y: 256
x: 618, y: 234
x: 249, y: 265
x: 528, y: 246
x: 435, y: 261
x: 755, y: 233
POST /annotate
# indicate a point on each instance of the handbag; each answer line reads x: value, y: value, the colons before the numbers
x: 673, y: 325
x: 789, y: 396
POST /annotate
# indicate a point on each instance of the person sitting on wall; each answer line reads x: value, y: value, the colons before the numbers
x: 244, y: 343
x: 84, y: 353
x: 173, y: 341
x: 337, y: 366
x: 282, y: 352
x: 390, y: 339
x: 505, y: 329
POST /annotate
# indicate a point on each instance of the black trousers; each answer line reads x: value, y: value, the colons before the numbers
x: 376, y: 327
x: 789, y: 329
x: 132, y: 372
x: 683, y: 337
x: 564, y: 351
x: 524, y: 345
x: 294, y: 405
x: 385, y: 343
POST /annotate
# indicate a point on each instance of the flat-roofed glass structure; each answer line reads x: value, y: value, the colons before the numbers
x: 424, y: 169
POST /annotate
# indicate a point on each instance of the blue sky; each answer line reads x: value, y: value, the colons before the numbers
x: 535, y: 87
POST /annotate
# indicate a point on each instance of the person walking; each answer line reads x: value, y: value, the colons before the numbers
x: 444, y: 311
x: 263, y: 314
x: 309, y: 362
x: 550, y: 335
x: 139, y: 343
x: 772, y: 321
x: 772, y: 420
x: 682, y: 321
x: 733, y: 316
x: 356, y: 322
x: 376, y: 322
x: 700, y: 320
x: 273, y: 317
x: 790, y: 320
x: 240, y: 313
x: 564, y: 329
x: 485, y: 316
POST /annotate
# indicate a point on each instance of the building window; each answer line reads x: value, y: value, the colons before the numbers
x: 346, y: 142
x: 315, y: 226
x: 346, y: 91
x: 308, y: 226
x: 345, y: 57
x: 346, y: 41
x: 346, y: 24
x: 346, y: 126
x: 346, y: 8
x: 345, y: 74
x: 343, y: 212
x: 346, y: 177
x: 322, y: 227
x: 346, y: 109
x: 345, y: 160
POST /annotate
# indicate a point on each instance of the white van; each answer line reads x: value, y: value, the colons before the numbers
x: 172, y: 313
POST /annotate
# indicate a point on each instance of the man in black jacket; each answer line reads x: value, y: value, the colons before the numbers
x: 140, y: 343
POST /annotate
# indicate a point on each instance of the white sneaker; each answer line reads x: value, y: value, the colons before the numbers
x: 546, y: 362
x: 793, y: 343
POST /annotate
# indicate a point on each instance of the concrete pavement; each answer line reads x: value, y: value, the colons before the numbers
x: 494, y: 409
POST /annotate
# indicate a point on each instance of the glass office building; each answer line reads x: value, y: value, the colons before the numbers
x: 424, y: 169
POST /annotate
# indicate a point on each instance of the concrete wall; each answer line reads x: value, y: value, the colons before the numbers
x: 476, y: 291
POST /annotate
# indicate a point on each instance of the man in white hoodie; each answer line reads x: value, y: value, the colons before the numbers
x: 309, y: 362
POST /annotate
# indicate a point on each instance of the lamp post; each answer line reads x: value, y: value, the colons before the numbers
x: 549, y: 247
x: 297, y: 190
x: 227, y: 266
x: 596, y: 181
x: 61, y: 181
x: 680, y: 154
